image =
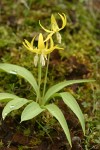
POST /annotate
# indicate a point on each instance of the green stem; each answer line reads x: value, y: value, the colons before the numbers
x: 39, y: 80
x: 45, y: 80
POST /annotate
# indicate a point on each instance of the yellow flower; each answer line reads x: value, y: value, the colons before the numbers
x: 43, y: 49
x: 54, y: 27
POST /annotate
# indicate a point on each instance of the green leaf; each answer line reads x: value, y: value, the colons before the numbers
x: 21, y: 71
x: 30, y: 111
x: 73, y: 105
x: 57, y: 113
x: 13, y: 105
x: 60, y: 86
x: 6, y: 97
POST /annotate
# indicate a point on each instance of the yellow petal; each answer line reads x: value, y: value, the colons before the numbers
x: 32, y: 42
x: 51, y: 42
x: 64, y: 21
x: 54, y: 25
x: 44, y: 28
x: 41, y: 42
x: 58, y: 48
x: 35, y: 50
x: 46, y: 45
x: 27, y: 45
x: 48, y: 51
x: 49, y: 36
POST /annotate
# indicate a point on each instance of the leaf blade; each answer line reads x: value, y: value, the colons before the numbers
x: 57, y: 113
x: 21, y: 71
x: 13, y: 105
x: 5, y: 97
x: 73, y: 105
x: 30, y: 111
x: 61, y: 85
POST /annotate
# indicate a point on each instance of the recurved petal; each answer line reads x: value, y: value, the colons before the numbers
x: 48, y: 51
x: 54, y: 25
x: 47, y: 44
x: 37, y: 51
x: 64, y: 20
x: 49, y: 36
x: 44, y: 28
x: 32, y: 42
x: 51, y: 42
x: 27, y: 45
x: 59, y: 48
x: 51, y: 49
x: 41, y: 44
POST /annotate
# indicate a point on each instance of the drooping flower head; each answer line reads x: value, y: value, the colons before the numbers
x: 43, y: 48
x: 54, y: 27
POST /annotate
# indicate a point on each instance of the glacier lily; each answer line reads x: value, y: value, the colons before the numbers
x: 55, y: 28
x: 43, y: 49
x: 41, y: 99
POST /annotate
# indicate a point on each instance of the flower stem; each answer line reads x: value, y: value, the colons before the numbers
x: 39, y: 80
x: 45, y: 80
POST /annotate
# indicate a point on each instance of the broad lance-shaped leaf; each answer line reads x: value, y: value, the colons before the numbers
x: 13, y: 105
x: 31, y: 111
x: 21, y: 71
x: 60, y: 86
x: 6, y: 97
x: 70, y: 101
x: 57, y: 113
